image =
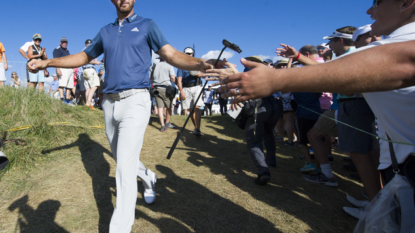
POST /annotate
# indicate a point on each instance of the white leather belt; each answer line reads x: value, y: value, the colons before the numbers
x: 124, y: 94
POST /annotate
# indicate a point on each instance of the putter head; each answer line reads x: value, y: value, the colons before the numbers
x: 232, y: 46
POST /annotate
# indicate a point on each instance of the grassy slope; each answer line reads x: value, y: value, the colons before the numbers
x: 23, y: 107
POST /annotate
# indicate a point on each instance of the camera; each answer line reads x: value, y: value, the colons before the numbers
x: 154, y: 92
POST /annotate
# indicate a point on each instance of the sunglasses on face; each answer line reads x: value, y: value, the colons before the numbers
x: 321, y: 48
x: 38, y: 40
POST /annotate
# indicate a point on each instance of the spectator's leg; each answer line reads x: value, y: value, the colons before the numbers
x: 197, y: 117
x: 280, y: 128
x: 368, y: 173
x: 161, y: 116
x: 254, y: 144
x: 315, y: 137
x: 40, y: 87
x: 289, y: 123
x: 169, y: 112
x: 61, y: 92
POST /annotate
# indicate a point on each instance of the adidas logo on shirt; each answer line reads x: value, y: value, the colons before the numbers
x: 135, y: 29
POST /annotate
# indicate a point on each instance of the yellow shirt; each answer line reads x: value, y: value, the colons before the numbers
x: 1, y: 51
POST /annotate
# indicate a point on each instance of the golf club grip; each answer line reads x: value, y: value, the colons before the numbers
x: 173, y: 147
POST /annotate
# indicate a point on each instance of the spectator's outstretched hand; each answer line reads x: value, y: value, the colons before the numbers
x: 254, y: 84
x: 221, y: 74
x: 287, y: 51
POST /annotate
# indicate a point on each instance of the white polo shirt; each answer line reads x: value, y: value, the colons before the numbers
x: 26, y: 46
x: 395, y: 110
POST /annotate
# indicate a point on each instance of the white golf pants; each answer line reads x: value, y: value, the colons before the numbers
x: 125, y: 123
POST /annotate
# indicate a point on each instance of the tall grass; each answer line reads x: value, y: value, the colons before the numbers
x: 27, y: 107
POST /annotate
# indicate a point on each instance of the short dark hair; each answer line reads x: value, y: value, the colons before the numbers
x: 311, y: 49
x: 347, y: 30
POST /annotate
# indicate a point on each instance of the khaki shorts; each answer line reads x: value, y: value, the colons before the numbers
x: 191, y: 94
x: 327, y: 125
x: 91, y: 78
x: 162, y: 100
x: 66, y: 80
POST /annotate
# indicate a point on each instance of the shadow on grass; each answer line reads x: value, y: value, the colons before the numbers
x: 199, y: 208
x: 287, y: 191
x: 98, y: 168
x: 40, y: 220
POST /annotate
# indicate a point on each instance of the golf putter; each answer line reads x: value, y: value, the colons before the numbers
x: 227, y: 44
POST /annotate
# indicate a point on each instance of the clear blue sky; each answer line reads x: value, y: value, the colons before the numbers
x: 258, y: 27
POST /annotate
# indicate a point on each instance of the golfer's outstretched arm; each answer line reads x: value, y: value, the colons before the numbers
x: 71, y: 61
x: 382, y: 68
x: 181, y: 60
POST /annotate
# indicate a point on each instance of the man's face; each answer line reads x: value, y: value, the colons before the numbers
x: 365, y: 39
x: 64, y: 44
x: 210, y: 88
x: 336, y: 45
x: 55, y: 78
x: 388, y: 15
x: 124, y: 6
x: 190, y: 54
x: 322, y: 50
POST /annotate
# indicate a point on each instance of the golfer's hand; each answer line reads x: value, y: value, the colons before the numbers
x: 221, y: 74
x: 287, y: 51
x: 35, y: 65
x: 182, y: 96
x: 253, y: 84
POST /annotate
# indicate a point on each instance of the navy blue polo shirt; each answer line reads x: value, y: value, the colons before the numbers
x: 186, y: 77
x: 60, y: 52
x: 309, y: 100
x: 127, y: 49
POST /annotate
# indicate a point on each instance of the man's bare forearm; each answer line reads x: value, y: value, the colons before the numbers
x: 71, y: 61
x: 179, y: 59
x: 382, y: 68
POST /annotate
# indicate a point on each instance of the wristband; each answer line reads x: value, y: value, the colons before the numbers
x: 299, y: 54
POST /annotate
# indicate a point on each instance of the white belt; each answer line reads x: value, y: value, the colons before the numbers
x: 124, y: 94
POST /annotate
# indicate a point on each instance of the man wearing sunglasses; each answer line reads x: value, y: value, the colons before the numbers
x: 65, y: 75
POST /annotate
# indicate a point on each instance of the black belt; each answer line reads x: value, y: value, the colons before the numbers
x: 347, y: 99
x: 160, y: 86
x: 191, y: 84
x: 89, y: 68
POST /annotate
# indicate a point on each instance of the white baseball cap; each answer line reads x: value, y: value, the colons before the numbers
x: 189, y: 50
x: 338, y: 35
x: 325, y: 45
x: 362, y: 30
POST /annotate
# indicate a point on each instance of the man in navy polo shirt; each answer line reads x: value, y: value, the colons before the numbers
x: 127, y: 45
x: 65, y: 75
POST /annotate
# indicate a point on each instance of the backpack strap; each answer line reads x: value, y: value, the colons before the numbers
x: 393, y: 157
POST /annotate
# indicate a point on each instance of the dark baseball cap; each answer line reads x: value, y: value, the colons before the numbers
x: 64, y: 39
x: 88, y: 41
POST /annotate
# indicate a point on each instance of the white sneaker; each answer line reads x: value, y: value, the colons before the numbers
x: 354, y: 212
x: 357, y: 203
x: 150, y: 194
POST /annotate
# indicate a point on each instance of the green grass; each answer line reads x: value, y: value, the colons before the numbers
x: 27, y: 107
